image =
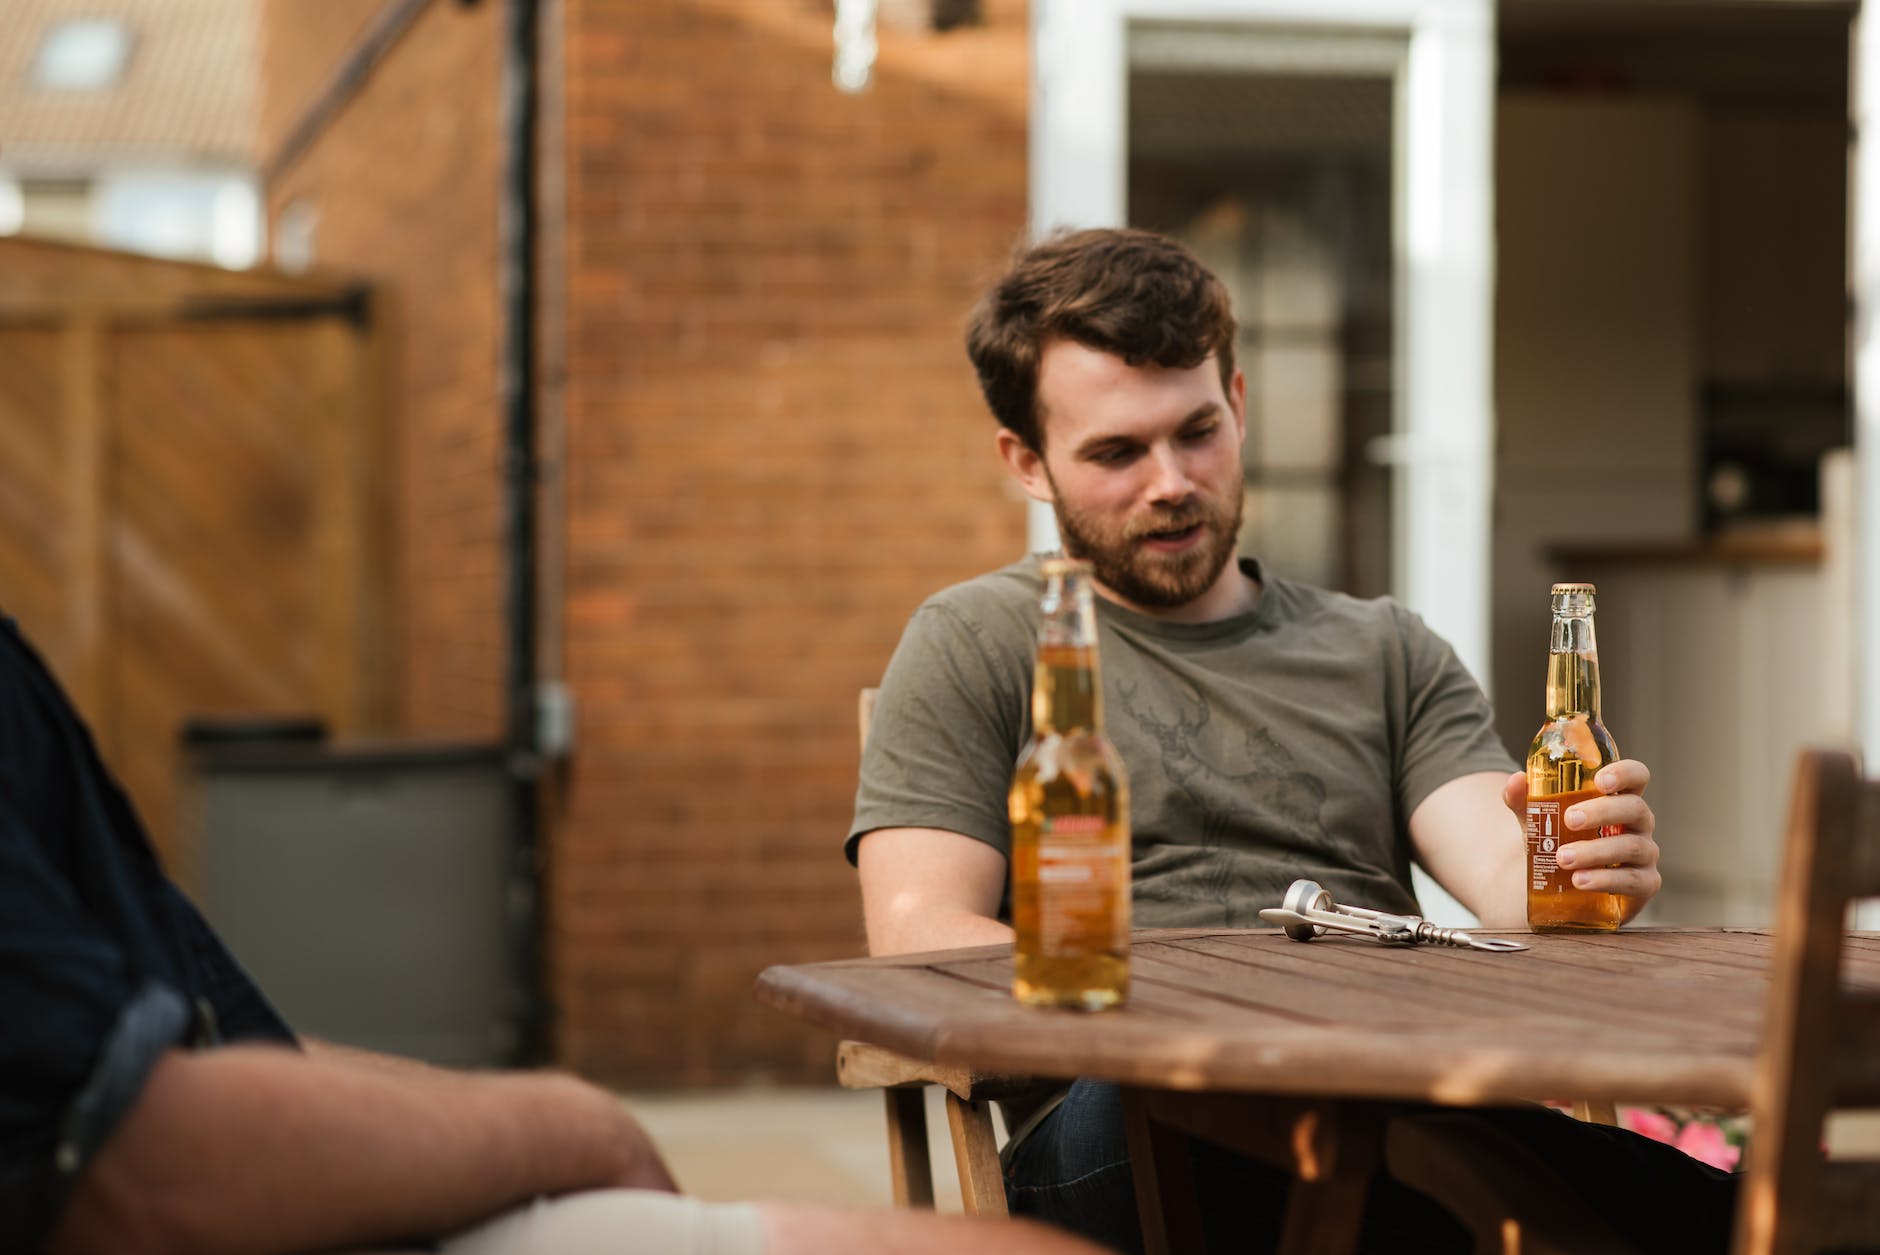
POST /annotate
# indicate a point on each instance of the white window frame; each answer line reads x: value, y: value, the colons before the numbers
x: 1441, y: 449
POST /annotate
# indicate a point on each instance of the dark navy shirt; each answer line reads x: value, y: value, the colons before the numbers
x: 104, y: 965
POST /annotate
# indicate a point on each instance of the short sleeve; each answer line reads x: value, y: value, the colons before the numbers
x: 951, y: 717
x: 81, y: 1034
x: 1448, y: 725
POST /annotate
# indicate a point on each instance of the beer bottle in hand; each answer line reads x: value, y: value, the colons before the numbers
x: 1069, y: 807
x: 1567, y: 752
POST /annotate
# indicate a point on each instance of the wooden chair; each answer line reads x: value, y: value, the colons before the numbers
x: 969, y: 1097
x: 904, y: 1083
x: 1822, y: 1048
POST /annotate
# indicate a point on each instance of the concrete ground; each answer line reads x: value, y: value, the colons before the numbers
x: 1854, y: 1135
x: 814, y: 1145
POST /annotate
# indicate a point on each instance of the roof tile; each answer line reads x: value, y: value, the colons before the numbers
x: 188, y: 91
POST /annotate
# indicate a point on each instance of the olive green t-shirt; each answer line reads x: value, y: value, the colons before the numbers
x: 1292, y: 741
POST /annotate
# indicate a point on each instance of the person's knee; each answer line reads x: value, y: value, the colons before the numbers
x: 594, y: 1222
x: 1084, y: 1136
x: 1073, y: 1170
x: 814, y: 1229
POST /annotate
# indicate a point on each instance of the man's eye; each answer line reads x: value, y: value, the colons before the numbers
x: 1201, y: 434
x: 1115, y: 456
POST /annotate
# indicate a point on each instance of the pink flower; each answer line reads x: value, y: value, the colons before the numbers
x: 1705, y: 1143
x: 1653, y: 1124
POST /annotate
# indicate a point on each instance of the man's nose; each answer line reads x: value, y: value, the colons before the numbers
x: 1171, y: 481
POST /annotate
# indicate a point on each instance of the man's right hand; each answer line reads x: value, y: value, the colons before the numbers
x: 930, y: 889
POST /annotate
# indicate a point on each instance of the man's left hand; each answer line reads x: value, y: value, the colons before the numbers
x: 1617, y: 853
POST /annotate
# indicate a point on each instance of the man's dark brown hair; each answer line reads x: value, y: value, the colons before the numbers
x: 1133, y: 293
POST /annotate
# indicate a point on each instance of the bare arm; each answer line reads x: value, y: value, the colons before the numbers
x: 256, y: 1150
x: 1468, y: 835
x: 929, y: 889
x: 340, y: 1053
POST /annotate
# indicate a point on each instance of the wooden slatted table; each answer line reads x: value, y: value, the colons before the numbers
x: 1293, y: 1050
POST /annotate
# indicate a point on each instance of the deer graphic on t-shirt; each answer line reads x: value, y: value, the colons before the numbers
x: 1228, y: 788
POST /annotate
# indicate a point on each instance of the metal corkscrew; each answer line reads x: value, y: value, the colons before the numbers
x: 1309, y: 911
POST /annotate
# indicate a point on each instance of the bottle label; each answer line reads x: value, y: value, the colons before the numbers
x: 1080, y: 872
x: 1547, y: 832
x: 1543, y: 842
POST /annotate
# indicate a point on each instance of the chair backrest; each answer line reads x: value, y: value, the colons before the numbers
x: 1821, y: 1048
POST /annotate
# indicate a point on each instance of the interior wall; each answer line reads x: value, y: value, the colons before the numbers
x: 1670, y: 343
x: 1596, y: 360
x: 1671, y: 358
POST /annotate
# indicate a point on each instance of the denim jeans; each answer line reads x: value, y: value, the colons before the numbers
x: 1073, y: 1172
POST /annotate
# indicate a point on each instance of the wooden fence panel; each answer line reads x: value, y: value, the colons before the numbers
x: 33, y: 539
x: 190, y: 523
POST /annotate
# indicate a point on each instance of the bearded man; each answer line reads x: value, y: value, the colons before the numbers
x: 1271, y: 730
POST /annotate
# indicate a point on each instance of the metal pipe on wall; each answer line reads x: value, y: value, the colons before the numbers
x: 517, y: 285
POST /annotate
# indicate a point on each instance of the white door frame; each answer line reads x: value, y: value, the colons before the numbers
x: 1864, y: 350
x: 1444, y: 422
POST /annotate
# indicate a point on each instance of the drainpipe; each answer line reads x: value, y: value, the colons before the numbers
x: 517, y: 225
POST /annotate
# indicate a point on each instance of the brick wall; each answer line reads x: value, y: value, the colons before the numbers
x: 404, y: 180
x: 775, y: 451
x: 300, y: 44
x: 766, y: 450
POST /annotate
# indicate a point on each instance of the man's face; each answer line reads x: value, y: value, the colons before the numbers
x: 1142, y: 466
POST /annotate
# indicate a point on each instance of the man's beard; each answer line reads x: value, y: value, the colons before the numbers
x: 1142, y: 576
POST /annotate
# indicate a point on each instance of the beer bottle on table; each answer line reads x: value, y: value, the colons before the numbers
x: 1069, y: 806
x: 1567, y: 752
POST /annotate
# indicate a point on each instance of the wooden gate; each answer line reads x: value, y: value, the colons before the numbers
x: 190, y: 500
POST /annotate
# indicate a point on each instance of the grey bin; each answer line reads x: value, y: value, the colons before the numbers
x: 366, y: 888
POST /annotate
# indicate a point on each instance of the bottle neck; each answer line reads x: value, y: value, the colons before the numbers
x: 1572, y: 667
x: 1067, y: 691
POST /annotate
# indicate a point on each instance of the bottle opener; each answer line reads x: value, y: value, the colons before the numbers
x: 1309, y: 911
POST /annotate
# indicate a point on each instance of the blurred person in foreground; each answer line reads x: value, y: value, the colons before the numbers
x: 1271, y: 730
x: 152, y: 1100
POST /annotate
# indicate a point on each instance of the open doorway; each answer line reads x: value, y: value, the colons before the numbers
x: 1276, y: 167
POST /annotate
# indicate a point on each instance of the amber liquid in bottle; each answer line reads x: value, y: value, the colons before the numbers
x: 1567, y: 752
x: 1069, y: 807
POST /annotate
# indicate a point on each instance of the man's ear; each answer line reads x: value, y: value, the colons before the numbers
x: 1237, y: 401
x: 1026, y: 465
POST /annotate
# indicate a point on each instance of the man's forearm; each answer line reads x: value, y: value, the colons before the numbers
x: 256, y: 1150
x: 1465, y: 836
x: 358, y: 1056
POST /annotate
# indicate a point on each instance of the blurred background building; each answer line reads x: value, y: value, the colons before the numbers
x: 132, y: 125
x: 1528, y: 291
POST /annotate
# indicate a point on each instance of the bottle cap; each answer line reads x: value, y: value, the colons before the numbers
x: 1572, y: 588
